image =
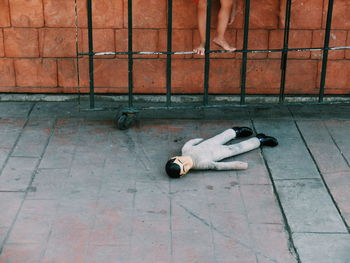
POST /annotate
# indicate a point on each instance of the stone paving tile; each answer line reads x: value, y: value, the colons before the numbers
x: 271, y: 242
x: 291, y: 159
x: 107, y: 254
x: 21, y: 253
x: 340, y: 131
x: 17, y: 173
x: 33, y: 138
x: 10, y: 129
x: 323, y: 248
x: 326, y: 154
x: 34, y: 222
x: 67, y: 245
x: 9, y: 206
x: 339, y: 186
x: 300, y: 200
x: 320, y: 112
x: 15, y: 110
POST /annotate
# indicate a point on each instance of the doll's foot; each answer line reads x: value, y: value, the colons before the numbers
x: 242, y: 131
x: 223, y: 44
x: 200, y: 50
x: 267, y: 140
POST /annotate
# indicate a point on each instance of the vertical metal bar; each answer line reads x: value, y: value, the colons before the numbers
x: 169, y: 49
x: 130, y: 55
x: 91, y: 55
x: 285, y: 51
x: 325, y: 51
x: 245, y: 47
x: 207, y: 54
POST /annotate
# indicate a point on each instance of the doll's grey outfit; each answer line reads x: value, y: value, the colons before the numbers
x: 206, y: 154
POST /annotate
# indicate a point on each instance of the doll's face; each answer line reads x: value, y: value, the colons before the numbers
x: 185, y: 163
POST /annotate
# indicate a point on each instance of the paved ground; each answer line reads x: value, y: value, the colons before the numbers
x: 75, y: 189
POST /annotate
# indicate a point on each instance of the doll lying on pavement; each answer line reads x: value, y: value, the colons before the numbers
x: 203, y: 154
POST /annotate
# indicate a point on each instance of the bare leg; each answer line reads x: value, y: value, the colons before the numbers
x: 202, y: 20
x: 223, y: 20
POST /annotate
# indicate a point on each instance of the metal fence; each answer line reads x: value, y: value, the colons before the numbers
x: 125, y: 118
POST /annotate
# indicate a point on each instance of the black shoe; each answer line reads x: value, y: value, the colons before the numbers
x: 267, y: 140
x: 242, y: 131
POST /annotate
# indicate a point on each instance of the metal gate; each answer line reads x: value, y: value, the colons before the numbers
x: 128, y: 114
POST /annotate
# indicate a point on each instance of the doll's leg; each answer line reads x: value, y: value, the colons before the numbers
x: 230, y: 134
x: 244, y: 146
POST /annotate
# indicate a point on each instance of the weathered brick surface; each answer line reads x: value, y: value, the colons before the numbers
x: 305, y: 14
x: 7, y: 73
x: 297, y: 39
x: 48, y: 30
x: 2, y: 51
x: 59, y: 13
x: 337, y: 39
x: 340, y: 19
x: 147, y: 14
x: 57, y: 42
x: 337, y: 78
x: 21, y: 42
x: 45, y: 71
x: 27, y: 13
x: 264, y: 15
x: 4, y: 14
x: 301, y: 77
x: 257, y: 39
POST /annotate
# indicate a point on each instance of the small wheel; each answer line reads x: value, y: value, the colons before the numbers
x: 125, y: 120
x: 121, y: 122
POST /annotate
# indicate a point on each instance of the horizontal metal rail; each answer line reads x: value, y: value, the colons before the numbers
x: 211, y: 51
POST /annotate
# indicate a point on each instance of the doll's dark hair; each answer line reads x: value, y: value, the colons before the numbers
x: 172, y: 169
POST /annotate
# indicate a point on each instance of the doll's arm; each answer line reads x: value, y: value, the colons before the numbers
x: 236, y: 165
x: 191, y: 143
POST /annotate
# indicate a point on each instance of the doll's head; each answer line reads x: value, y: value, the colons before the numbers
x: 178, y: 166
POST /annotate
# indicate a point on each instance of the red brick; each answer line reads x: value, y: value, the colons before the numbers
x: 230, y: 36
x: 36, y: 72
x: 2, y: 52
x: 7, y: 73
x: 27, y: 13
x: 67, y: 73
x: 103, y: 41
x: 304, y: 15
x: 301, y: 77
x: 181, y: 41
x: 105, y: 14
x: 188, y: 76
x: 263, y: 77
x: 297, y: 39
x: 264, y: 15
x: 184, y: 14
x: 51, y: 90
x: 4, y: 13
x: 112, y: 74
x: 149, y: 75
x: 347, y: 52
x: 258, y: 39
x: 147, y: 14
x: 143, y: 40
x: 337, y: 78
x: 224, y: 76
x: 21, y: 42
x: 337, y: 39
x: 121, y: 42
x: 57, y: 42
x: 59, y: 13
x: 340, y: 18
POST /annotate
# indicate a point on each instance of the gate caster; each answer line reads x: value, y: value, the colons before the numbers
x: 125, y: 119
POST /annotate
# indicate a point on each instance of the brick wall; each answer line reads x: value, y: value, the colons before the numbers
x: 37, y: 47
